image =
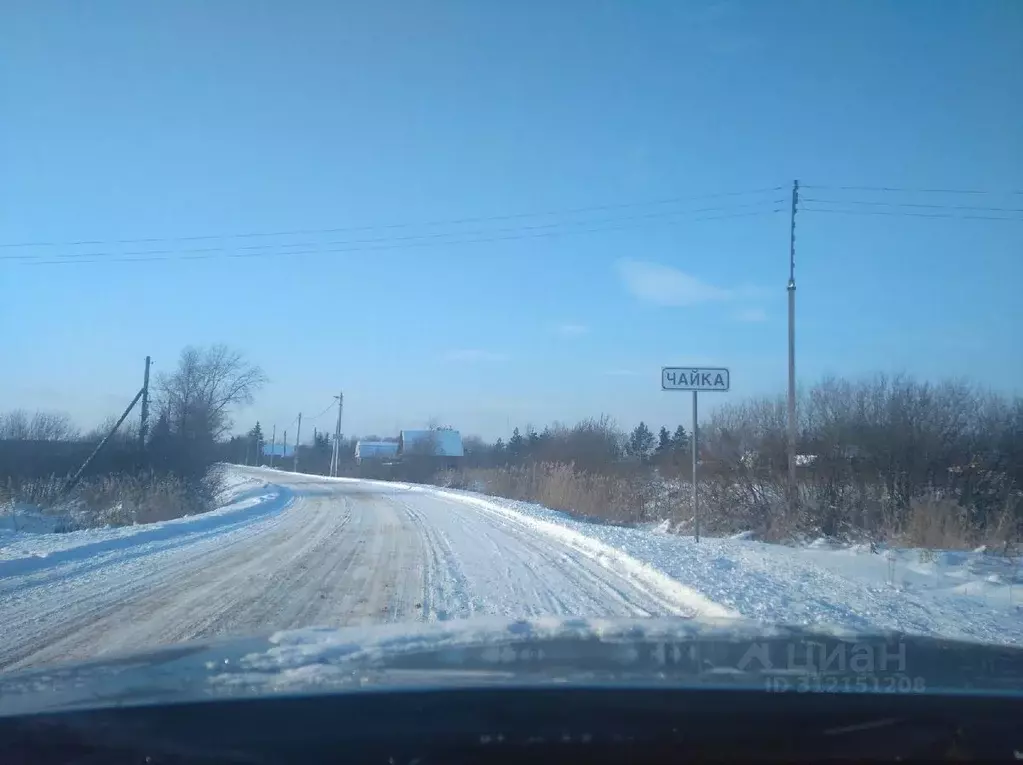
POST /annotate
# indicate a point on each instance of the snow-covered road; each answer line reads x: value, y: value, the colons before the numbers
x: 305, y: 551
x: 292, y: 551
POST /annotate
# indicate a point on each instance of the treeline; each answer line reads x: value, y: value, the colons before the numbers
x: 884, y: 457
x: 592, y: 445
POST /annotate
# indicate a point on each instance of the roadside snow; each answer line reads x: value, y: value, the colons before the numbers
x: 968, y: 596
x: 27, y: 540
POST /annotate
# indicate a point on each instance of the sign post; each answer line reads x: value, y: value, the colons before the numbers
x: 696, y: 379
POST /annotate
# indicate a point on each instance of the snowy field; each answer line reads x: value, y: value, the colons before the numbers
x: 292, y: 551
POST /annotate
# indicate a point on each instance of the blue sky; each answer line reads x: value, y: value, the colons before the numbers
x: 163, y: 121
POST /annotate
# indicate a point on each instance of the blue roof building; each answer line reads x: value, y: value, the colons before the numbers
x: 278, y: 450
x: 441, y: 442
x: 376, y: 450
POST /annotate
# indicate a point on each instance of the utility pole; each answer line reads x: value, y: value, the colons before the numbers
x: 335, y: 458
x: 298, y: 437
x: 273, y: 445
x: 792, y: 348
x: 144, y: 419
x: 284, y: 447
x: 333, y: 454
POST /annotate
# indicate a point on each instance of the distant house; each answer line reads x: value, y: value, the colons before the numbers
x: 376, y: 450
x: 278, y: 450
x: 442, y: 443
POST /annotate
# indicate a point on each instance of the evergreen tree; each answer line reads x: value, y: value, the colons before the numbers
x: 532, y: 442
x: 663, y: 441
x: 641, y: 442
x: 321, y: 441
x: 516, y: 445
x: 161, y: 431
x: 680, y: 441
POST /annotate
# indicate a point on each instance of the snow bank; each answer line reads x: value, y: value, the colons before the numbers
x: 24, y: 549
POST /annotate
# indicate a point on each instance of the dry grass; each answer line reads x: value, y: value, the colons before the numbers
x: 941, y: 523
x: 730, y: 504
x: 118, y: 500
x: 608, y: 498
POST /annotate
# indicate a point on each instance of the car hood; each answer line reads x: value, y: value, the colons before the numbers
x: 529, y: 652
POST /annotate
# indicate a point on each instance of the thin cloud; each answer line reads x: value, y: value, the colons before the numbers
x: 474, y: 354
x: 751, y: 315
x: 569, y: 329
x: 663, y: 285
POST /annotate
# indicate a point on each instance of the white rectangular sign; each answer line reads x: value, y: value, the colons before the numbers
x: 695, y: 378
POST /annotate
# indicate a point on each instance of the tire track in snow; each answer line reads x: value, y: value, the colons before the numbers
x: 480, y: 563
x: 672, y: 596
x: 316, y: 564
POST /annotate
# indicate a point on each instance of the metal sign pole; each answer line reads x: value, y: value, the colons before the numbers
x: 709, y: 380
x: 696, y: 493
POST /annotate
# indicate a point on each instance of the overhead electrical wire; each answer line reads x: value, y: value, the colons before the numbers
x: 907, y: 190
x: 906, y: 213
x: 555, y: 228
x: 399, y: 242
x: 329, y: 407
x: 920, y: 205
x: 403, y: 224
x: 114, y: 255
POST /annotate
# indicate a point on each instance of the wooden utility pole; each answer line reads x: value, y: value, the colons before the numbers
x: 144, y: 418
x: 298, y: 437
x: 792, y: 349
x: 335, y: 458
x: 273, y: 445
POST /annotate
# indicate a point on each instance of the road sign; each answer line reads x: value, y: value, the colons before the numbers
x: 701, y: 379
x: 698, y: 380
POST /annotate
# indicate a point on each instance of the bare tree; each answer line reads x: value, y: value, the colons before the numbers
x: 14, y: 425
x: 53, y: 426
x: 17, y: 425
x: 128, y: 433
x: 198, y: 395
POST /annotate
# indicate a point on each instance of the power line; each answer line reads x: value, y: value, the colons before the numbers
x: 919, y: 205
x: 399, y: 225
x: 904, y: 190
x: 310, y: 419
x: 329, y: 407
x: 904, y: 213
x: 115, y: 256
x: 390, y: 246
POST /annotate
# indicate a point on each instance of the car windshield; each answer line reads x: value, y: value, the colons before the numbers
x: 400, y: 317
